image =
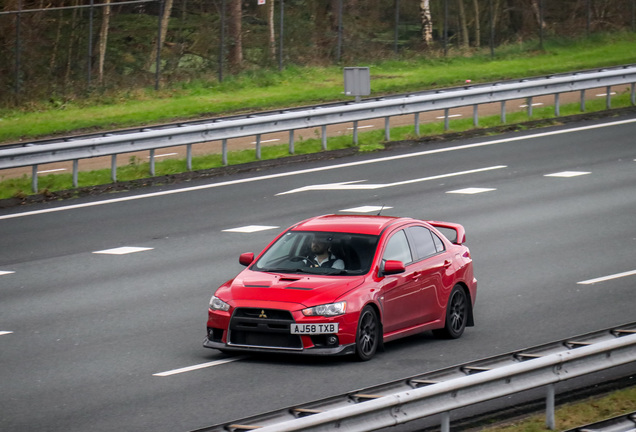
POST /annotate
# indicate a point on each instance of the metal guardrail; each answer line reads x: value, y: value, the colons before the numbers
x: 223, y: 129
x: 440, y: 392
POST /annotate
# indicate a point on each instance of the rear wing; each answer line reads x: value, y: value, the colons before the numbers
x: 452, y: 231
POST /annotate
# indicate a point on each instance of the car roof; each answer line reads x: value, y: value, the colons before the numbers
x: 358, y: 224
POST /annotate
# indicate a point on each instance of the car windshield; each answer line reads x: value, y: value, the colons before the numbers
x: 324, y: 253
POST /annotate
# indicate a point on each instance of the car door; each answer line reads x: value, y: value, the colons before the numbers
x: 400, y: 292
x: 435, y: 271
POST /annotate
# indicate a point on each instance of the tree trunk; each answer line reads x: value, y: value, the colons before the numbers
x: 427, y: 22
x: 103, y: 41
x: 477, y: 24
x: 272, y: 33
x: 462, y: 23
x: 235, y: 53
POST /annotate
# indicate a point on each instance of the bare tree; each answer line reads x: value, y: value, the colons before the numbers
x: 427, y: 22
x: 477, y: 24
x: 235, y: 15
x: 462, y: 23
x: 103, y: 41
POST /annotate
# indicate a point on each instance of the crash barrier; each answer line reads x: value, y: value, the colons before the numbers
x: 440, y: 392
x: 222, y: 129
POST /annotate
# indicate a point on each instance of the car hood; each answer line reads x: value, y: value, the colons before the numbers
x: 305, y: 290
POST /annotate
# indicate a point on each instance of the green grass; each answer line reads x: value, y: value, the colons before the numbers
x: 573, y: 415
x: 294, y: 86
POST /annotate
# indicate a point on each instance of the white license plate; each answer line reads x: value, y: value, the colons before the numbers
x: 313, y: 329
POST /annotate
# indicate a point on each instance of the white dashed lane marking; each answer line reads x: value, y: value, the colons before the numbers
x: 2, y: 333
x: 123, y: 250
x: 567, y: 174
x: 471, y: 191
x: 366, y: 209
x: 197, y: 367
x: 2, y: 272
x: 607, y: 278
x: 250, y: 228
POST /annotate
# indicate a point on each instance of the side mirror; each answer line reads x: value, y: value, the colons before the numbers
x: 246, y: 258
x: 393, y: 267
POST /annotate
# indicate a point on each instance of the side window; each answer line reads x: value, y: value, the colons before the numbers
x: 398, y: 248
x: 423, y: 239
x: 439, y: 244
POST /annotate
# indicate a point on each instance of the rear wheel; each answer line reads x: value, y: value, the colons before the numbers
x: 368, y: 334
x: 456, y: 315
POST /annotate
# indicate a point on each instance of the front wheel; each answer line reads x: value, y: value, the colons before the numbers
x: 456, y: 315
x: 368, y: 334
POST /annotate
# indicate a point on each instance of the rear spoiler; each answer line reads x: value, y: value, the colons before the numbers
x: 453, y: 232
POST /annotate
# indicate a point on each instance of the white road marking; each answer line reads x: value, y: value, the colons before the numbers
x: 163, y: 155
x: 607, y: 278
x: 266, y: 141
x: 197, y: 367
x: 605, y: 94
x: 534, y: 104
x: 250, y: 228
x: 51, y: 170
x: 567, y: 174
x: 123, y: 250
x: 2, y: 272
x: 508, y: 140
x: 450, y: 116
x: 355, y: 184
x: 471, y: 191
x: 2, y: 333
x: 366, y: 209
x: 361, y: 127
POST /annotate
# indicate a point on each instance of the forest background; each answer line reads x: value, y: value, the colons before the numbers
x: 59, y: 51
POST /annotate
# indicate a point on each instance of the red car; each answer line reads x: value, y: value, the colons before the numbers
x: 344, y: 284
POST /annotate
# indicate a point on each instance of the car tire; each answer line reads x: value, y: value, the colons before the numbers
x: 456, y: 315
x: 368, y: 334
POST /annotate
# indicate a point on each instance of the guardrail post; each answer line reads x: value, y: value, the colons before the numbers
x: 582, y: 100
x: 633, y: 95
x: 34, y: 178
x: 75, y: 172
x: 529, y: 106
x: 608, y: 97
x: 557, y: 106
x: 549, y: 408
x: 323, y: 136
x: 113, y: 168
x: 446, y: 125
x: 387, y: 129
x: 355, y: 132
x: 258, y: 146
x: 224, y: 151
x: 291, y: 141
x: 503, y: 111
x: 475, y: 115
x: 445, y: 424
x: 152, y: 162
x: 417, y: 122
x: 189, y: 157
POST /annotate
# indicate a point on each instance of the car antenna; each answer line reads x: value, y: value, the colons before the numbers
x: 381, y: 208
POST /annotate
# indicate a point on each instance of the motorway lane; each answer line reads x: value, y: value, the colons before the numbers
x: 90, y: 330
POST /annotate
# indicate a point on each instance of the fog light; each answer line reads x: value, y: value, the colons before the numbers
x: 332, y: 340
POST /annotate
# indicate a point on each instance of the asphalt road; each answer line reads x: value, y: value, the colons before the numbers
x: 97, y: 341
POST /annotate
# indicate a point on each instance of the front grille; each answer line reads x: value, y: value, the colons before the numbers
x: 267, y: 328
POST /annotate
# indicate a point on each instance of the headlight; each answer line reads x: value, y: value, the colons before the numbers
x: 327, y: 310
x: 218, y: 304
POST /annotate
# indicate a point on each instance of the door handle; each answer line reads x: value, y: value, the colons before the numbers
x: 448, y: 263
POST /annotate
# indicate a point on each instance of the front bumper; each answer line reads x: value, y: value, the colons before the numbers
x: 317, y: 351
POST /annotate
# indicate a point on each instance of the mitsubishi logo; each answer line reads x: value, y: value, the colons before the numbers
x: 262, y: 315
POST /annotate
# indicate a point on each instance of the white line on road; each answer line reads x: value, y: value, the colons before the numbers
x: 607, y: 278
x: 4, y: 272
x: 51, y: 170
x: 266, y: 141
x: 123, y: 250
x: 199, y: 366
x: 507, y: 140
x: 2, y: 333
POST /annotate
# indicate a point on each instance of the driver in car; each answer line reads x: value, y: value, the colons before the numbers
x: 322, y: 256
